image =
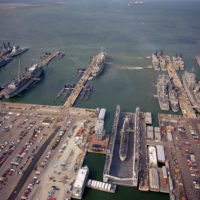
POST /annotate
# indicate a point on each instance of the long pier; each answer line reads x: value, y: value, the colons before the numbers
x: 184, y: 102
x: 80, y: 85
x: 49, y: 58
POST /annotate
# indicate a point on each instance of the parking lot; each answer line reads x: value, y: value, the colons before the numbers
x: 37, y: 142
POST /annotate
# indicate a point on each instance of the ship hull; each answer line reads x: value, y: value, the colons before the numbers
x: 5, y: 62
x: 95, y: 74
x: 190, y: 95
x: 28, y: 83
x: 21, y: 51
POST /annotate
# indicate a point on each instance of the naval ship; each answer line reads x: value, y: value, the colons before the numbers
x: 158, y: 61
x: 29, y: 77
x: 178, y: 62
x: 198, y: 59
x: 97, y: 64
x: 5, y: 60
x: 162, y: 91
x: 123, y: 149
x: 192, y: 88
x: 173, y: 98
x: 7, y: 52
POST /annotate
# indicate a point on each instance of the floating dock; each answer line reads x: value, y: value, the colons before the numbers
x: 98, y: 185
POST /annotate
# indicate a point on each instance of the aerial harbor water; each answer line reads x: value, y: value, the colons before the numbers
x: 81, y: 30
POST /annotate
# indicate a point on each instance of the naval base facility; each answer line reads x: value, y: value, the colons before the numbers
x: 43, y: 147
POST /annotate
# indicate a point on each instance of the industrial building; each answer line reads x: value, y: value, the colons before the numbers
x: 150, y: 135
x: 153, y: 179
x: 99, y: 127
x: 160, y: 153
x: 80, y: 182
x: 157, y: 133
x: 152, y: 156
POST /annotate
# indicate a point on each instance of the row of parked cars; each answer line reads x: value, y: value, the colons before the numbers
x: 42, y: 165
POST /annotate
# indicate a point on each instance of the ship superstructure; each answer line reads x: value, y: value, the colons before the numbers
x: 97, y: 64
x: 178, y: 62
x: 7, y: 52
x: 173, y: 98
x: 158, y: 61
x: 30, y: 76
x: 123, y: 149
x: 162, y: 91
x: 192, y: 88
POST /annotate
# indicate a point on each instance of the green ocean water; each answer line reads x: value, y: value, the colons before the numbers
x: 83, y: 29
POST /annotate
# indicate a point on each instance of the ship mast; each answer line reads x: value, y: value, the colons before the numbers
x: 18, y: 74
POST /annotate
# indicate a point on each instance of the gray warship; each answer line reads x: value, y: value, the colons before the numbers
x: 5, y: 60
x: 158, y: 61
x: 97, y: 64
x: 192, y: 88
x: 162, y: 91
x: 28, y: 78
x: 178, y: 62
x: 198, y: 59
x: 7, y: 52
x: 173, y: 98
x: 124, y: 140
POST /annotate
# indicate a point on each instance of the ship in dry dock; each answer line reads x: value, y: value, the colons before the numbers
x: 98, y: 63
x: 123, y: 149
x: 192, y: 88
x: 162, y: 91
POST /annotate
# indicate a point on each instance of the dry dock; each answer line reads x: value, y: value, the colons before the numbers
x: 184, y: 102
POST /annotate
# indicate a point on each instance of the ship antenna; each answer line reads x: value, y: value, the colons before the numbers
x: 18, y: 71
